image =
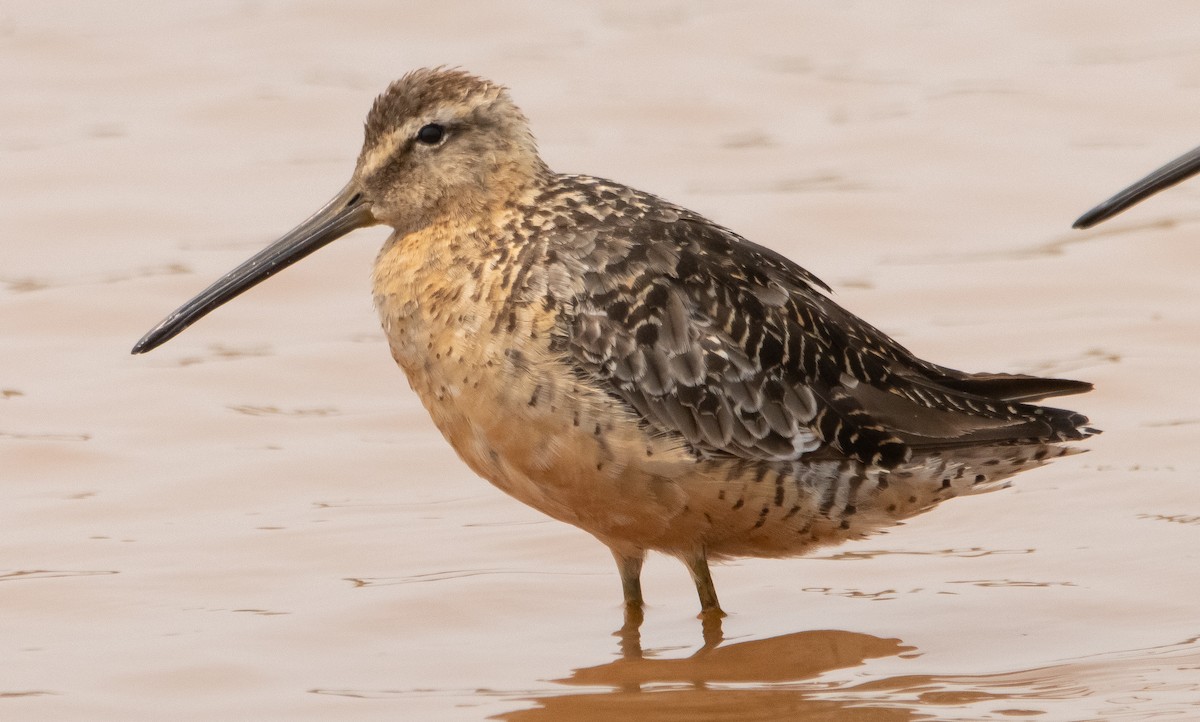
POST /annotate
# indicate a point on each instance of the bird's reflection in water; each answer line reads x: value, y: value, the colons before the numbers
x: 630, y: 632
x: 778, y: 679
x: 753, y: 680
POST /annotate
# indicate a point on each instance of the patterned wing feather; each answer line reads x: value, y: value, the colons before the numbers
x: 736, y: 349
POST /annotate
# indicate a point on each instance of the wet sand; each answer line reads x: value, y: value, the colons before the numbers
x: 258, y: 520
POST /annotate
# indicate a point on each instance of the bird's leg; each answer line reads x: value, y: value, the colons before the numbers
x: 630, y: 567
x: 629, y: 564
x: 697, y: 563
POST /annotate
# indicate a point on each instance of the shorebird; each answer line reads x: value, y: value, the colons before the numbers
x: 1178, y: 170
x: 626, y: 365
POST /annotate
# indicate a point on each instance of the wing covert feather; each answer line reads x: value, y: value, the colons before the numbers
x: 736, y: 349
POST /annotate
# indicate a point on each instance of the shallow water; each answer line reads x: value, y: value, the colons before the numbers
x: 259, y: 521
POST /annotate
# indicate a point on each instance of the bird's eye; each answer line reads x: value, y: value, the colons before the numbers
x: 431, y: 134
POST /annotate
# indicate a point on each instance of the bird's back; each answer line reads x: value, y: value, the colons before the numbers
x: 741, y: 351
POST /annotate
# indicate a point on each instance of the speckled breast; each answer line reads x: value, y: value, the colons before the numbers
x: 483, y: 361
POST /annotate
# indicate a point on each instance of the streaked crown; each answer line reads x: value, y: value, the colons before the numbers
x: 443, y: 142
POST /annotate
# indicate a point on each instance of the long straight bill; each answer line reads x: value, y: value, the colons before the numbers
x: 346, y: 212
x: 1180, y: 169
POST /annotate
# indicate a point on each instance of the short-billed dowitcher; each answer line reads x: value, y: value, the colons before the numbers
x: 1180, y: 169
x: 626, y: 365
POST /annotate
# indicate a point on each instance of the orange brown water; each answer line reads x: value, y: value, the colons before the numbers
x: 258, y: 520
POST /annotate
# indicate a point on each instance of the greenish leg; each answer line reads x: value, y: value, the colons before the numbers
x: 630, y: 567
x: 697, y: 564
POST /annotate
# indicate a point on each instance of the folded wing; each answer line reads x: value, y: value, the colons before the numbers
x: 736, y: 349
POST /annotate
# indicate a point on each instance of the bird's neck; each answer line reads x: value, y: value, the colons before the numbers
x: 484, y: 202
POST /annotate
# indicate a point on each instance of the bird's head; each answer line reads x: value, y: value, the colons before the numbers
x: 441, y: 146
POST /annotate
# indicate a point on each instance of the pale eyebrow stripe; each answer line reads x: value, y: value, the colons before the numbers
x: 382, y: 151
